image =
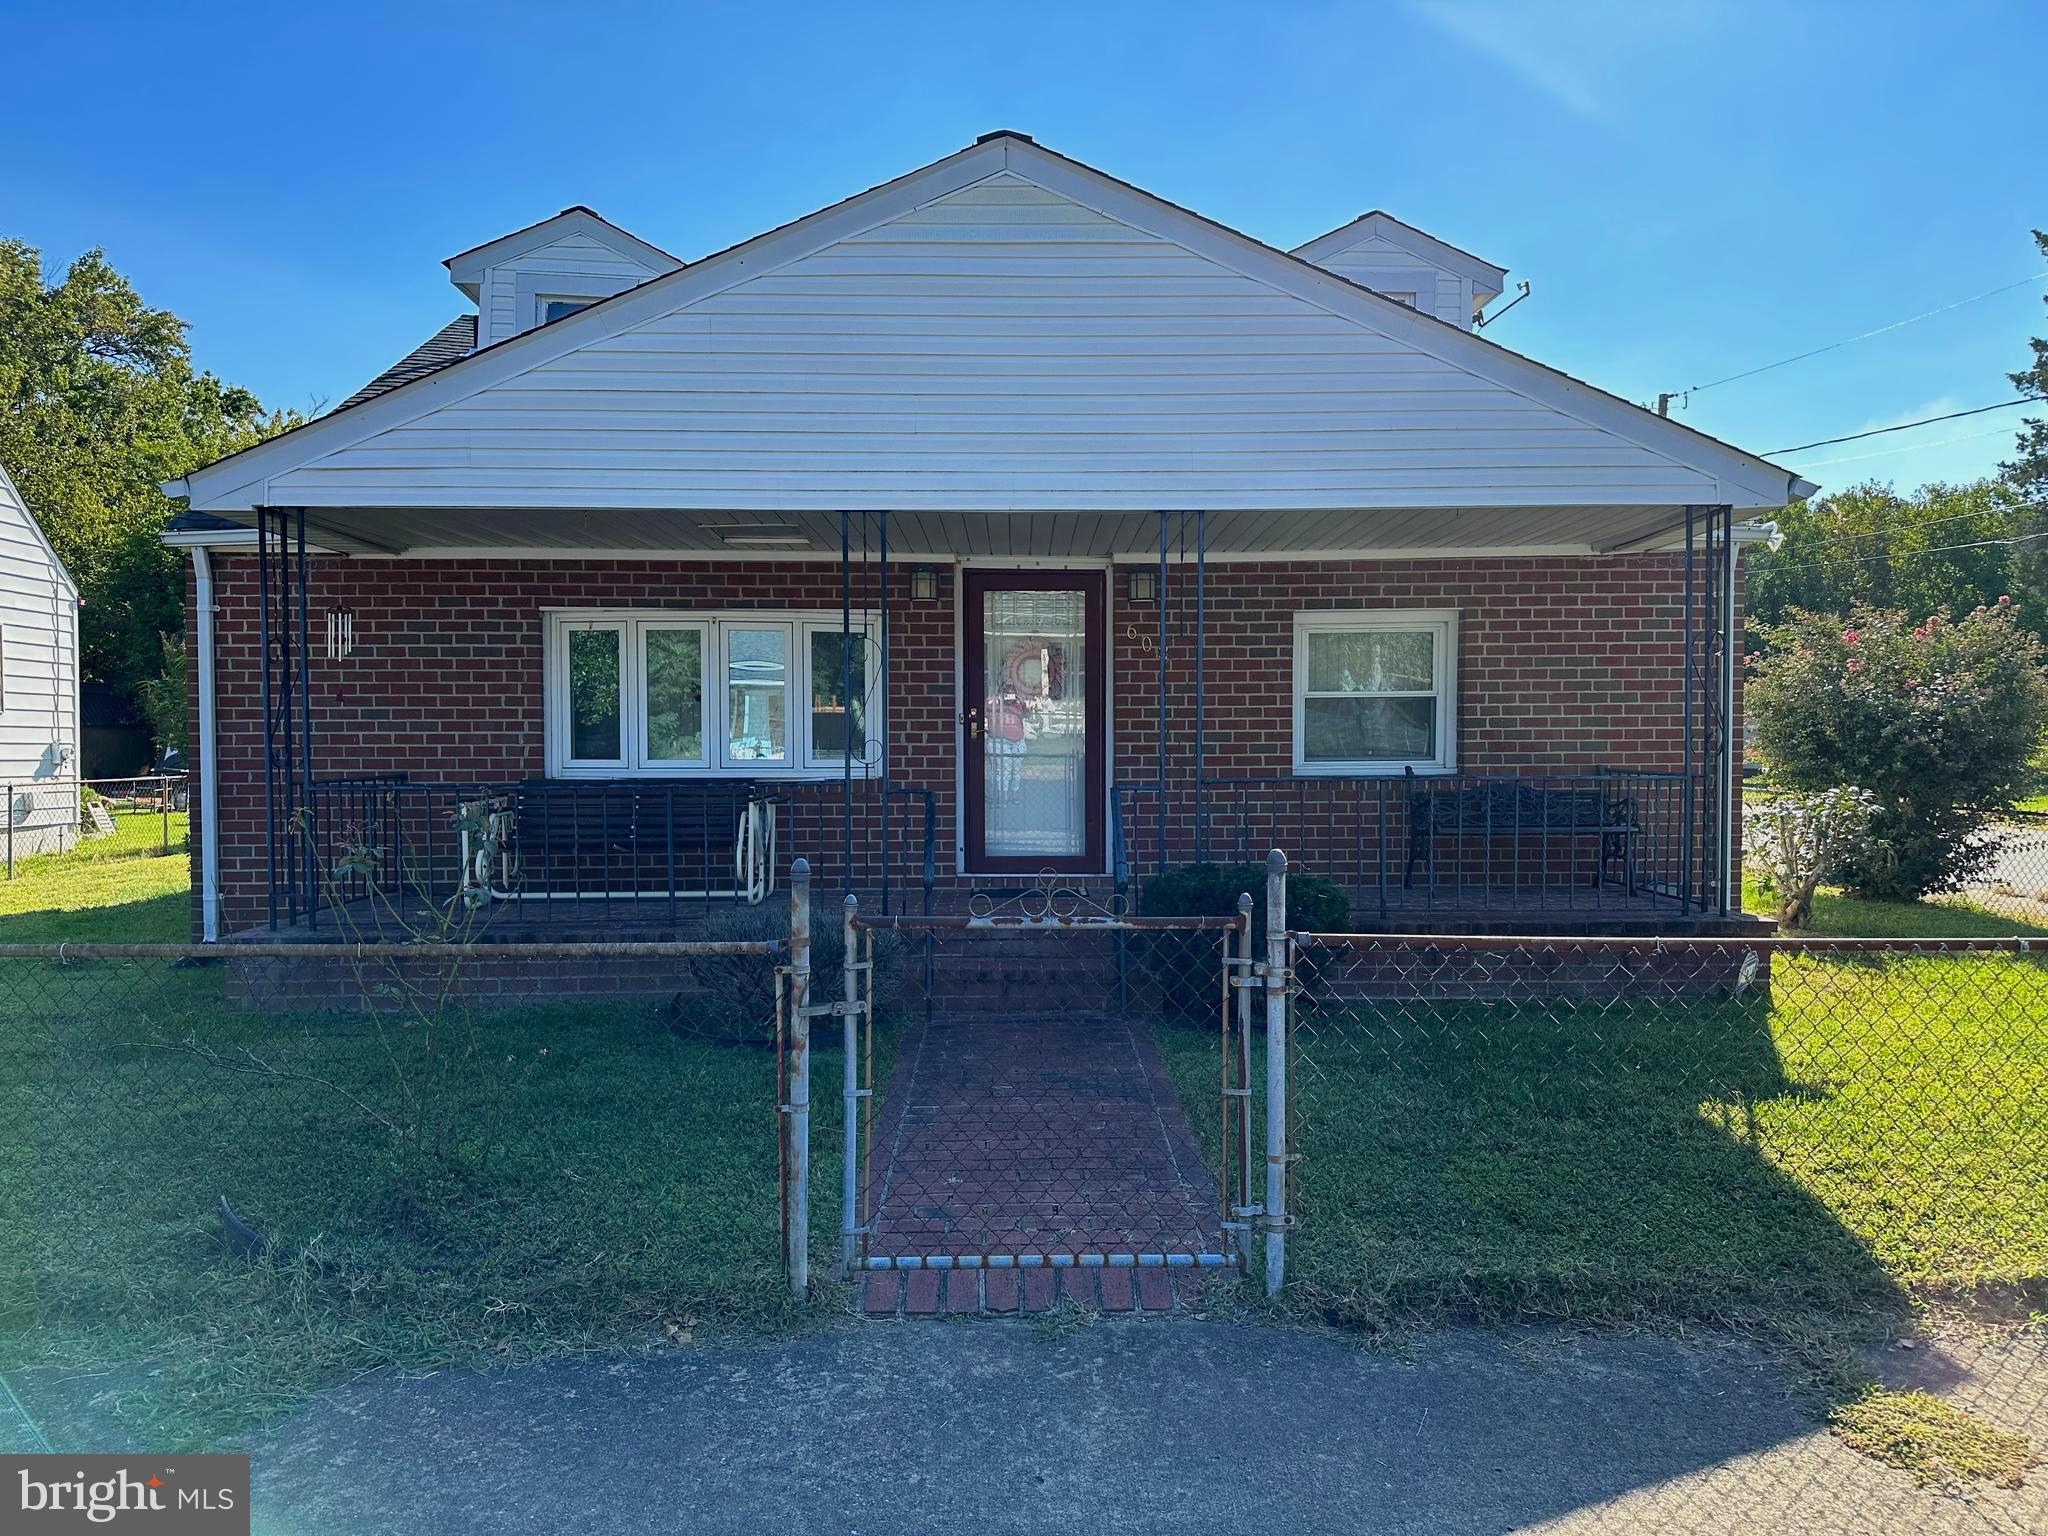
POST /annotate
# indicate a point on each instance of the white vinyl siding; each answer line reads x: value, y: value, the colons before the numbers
x: 576, y: 266
x: 754, y: 699
x: 1376, y: 691
x: 999, y: 349
x: 38, y: 652
x: 1381, y: 264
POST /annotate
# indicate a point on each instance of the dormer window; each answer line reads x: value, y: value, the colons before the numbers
x: 555, y: 309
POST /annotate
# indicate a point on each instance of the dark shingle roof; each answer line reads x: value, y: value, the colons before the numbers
x: 203, y: 522
x: 453, y: 342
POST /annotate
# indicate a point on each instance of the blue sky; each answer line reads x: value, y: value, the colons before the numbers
x: 1693, y: 188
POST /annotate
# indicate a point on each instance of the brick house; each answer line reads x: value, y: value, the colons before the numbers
x: 1003, y: 518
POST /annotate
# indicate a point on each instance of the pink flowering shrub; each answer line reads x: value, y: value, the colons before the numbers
x: 1936, y: 720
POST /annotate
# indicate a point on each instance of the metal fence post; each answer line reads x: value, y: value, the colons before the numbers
x: 1243, y: 1068
x: 163, y: 799
x: 849, y: 1169
x: 1277, y: 982
x: 796, y: 1235
x: 10, y: 831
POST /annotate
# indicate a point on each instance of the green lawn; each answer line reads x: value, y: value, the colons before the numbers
x: 1841, y: 916
x: 581, y: 1177
x: 124, y: 890
x: 1863, y: 1137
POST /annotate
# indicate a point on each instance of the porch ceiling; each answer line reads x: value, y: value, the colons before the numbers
x: 1410, y: 532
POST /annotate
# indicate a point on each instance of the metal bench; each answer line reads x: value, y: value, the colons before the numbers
x: 1516, y: 806
x: 569, y: 840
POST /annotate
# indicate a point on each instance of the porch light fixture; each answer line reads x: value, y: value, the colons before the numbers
x: 924, y: 584
x: 1144, y: 586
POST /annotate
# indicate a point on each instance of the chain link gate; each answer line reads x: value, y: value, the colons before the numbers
x: 1039, y: 1057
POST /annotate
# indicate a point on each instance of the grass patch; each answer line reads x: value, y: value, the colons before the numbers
x: 1934, y: 1442
x: 1841, y: 916
x: 612, y: 1177
x: 1813, y: 1160
x: 121, y: 890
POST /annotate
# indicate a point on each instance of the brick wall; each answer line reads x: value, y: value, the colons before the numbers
x: 1563, y: 664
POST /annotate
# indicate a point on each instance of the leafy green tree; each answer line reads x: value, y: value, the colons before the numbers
x: 1936, y: 718
x: 99, y: 404
x: 165, y: 698
x: 1942, y: 547
x: 2028, y: 474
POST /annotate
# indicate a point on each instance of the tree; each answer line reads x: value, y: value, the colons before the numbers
x: 99, y: 404
x: 2028, y: 474
x: 165, y: 697
x: 1936, y: 719
x: 1942, y: 547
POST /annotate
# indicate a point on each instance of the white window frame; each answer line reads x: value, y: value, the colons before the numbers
x: 813, y: 761
x: 1442, y: 623
x: 541, y: 301
x: 636, y: 692
x: 801, y: 760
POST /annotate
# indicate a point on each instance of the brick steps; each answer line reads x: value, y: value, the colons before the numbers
x: 1006, y: 1292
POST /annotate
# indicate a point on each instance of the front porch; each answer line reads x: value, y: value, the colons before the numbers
x: 993, y: 720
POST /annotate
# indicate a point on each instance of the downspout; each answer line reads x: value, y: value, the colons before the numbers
x: 209, y: 763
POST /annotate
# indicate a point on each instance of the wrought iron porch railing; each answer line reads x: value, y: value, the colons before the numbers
x: 1507, y: 845
x: 569, y: 850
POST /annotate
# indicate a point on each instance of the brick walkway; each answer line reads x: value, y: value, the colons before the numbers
x: 1013, y: 1135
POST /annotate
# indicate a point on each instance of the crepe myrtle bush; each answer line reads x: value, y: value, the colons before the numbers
x: 1936, y: 719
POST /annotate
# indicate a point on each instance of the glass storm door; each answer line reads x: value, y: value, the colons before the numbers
x: 1032, y: 721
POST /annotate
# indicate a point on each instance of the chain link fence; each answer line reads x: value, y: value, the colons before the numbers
x: 2014, y: 878
x: 89, y: 819
x: 1701, y: 1130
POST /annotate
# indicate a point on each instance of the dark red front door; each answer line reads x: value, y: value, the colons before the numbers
x: 1033, y: 684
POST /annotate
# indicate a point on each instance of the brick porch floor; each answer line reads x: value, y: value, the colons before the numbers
x: 1006, y: 1134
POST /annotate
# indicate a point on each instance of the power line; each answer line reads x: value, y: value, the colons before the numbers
x: 1903, y: 554
x: 1750, y: 373
x: 1881, y: 453
x: 1907, y: 426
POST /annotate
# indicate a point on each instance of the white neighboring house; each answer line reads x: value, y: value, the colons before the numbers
x: 38, y: 684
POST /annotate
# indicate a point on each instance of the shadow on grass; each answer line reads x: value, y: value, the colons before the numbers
x: 1812, y: 1158
x: 598, y: 1177
x: 1558, y: 1161
x: 162, y: 919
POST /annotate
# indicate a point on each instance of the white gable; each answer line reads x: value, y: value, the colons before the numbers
x: 1038, y: 338
x: 575, y: 256
x: 38, y: 649
x: 1394, y: 258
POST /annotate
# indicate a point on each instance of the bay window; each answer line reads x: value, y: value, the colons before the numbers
x: 740, y: 693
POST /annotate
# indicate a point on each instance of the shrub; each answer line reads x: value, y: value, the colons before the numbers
x: 1183, y: 965
x: 1937, y: 720
x: 1793, y: 841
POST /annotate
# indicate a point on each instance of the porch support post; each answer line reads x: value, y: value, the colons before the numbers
x: 1162, y: 692
x: 1727, y: 896
x: 1201, y: 682
x: 846, y: 681
x: 310, y: 851
x: 269, y: 718
x: 1689, y: 831
x: 881, y: 695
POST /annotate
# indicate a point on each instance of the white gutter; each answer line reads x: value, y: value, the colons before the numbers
x: 209, y: 761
